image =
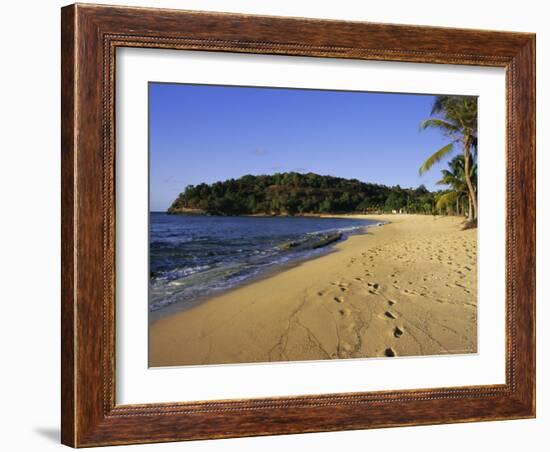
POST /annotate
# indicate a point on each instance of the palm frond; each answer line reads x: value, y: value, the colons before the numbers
x: 449, y: 179
x: 446, y: 104
x: 447, y: 199
x: 437, y: 123
x: 435, y: 158
x: 439, y: 103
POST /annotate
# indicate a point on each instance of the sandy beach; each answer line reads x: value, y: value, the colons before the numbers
x: 406, y: 288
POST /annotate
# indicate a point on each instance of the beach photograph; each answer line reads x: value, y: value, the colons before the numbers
x: 290, y: 224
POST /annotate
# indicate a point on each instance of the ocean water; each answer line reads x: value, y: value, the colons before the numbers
x: 191, y: 257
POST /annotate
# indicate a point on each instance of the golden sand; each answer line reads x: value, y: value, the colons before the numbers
x: 406, y: 288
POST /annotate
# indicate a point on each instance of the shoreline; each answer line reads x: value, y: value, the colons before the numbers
x: 403, y: 290
x: 269, y: 272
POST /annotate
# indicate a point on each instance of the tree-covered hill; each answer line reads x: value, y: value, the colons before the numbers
x: 295, y: 194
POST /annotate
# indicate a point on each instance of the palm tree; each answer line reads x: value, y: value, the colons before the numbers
x: 456, y: 117
x: 455, y: 178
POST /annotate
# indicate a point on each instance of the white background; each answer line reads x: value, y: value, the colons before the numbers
x: 30, y: 224
x: 137, y: 384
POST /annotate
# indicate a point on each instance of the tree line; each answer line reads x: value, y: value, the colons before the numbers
x: 295, y: 193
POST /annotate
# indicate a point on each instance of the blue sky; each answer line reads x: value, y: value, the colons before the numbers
x: 201, y: 133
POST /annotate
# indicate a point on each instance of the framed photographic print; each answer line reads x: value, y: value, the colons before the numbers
x: 281, y: 225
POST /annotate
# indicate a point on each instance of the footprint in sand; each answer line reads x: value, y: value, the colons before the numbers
x: 389, y: 352
x: 338, y: 299
x: 397, y: 332
x: 391, y: 302
x: 375, y: 286
x: 390, y: 315
x: 340, y: 283
x: 344, y: 312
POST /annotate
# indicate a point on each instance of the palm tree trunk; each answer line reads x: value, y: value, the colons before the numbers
x: 470, y: 216
x: 473, y: 199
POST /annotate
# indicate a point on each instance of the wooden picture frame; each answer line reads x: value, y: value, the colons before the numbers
x: 90, y: 36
